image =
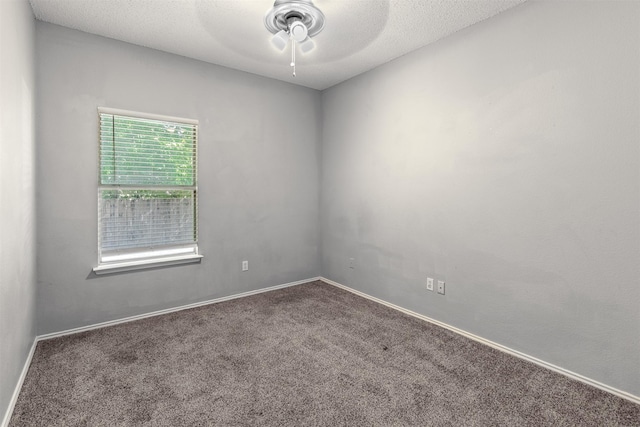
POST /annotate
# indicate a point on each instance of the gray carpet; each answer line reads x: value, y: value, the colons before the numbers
x: 306, y: 355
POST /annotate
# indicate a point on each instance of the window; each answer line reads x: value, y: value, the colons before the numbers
x: 147, y: 192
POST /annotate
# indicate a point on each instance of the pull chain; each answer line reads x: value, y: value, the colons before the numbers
x: 293, y: 56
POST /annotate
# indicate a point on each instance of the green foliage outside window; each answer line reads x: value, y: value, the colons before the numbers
x: 146, y: 153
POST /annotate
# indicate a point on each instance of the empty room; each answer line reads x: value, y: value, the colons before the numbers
x: 327, y: 212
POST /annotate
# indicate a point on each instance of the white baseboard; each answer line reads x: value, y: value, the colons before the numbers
x: 16, y: 391
x: 573, y: 375
x: 169, y: 310
x: 552, y: 367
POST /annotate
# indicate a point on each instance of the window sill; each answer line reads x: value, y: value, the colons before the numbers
x: 117, y: 267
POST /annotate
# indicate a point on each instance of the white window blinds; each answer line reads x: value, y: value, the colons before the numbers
x: 147, y: 196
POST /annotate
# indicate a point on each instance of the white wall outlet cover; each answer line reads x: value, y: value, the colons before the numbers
x: 429, y: 283
x: 245, y: 265
x: 441, y: 287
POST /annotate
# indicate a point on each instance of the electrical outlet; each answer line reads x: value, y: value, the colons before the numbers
x: 430, y: 283
x: 245, y: 265
x: 352, y: 263
x: 441, y: 287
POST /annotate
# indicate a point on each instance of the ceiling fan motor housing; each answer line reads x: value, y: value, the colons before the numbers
x: 285, y: 15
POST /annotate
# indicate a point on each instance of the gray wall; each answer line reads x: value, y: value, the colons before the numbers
x: 504, y: 159
x: 17, y: 193
x: 258, y: 176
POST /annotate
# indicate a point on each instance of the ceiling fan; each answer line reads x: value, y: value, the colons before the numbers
x: 296, y: 21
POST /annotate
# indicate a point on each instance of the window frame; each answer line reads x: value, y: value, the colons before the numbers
x: 145, y: 257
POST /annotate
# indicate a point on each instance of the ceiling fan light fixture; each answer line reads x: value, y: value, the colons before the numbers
x: 307, y: 45
x: 297, y: 20
x: 280, y: 40
x: 298, y: 31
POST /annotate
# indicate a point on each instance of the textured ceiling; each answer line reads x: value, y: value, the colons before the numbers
x: 359, y: 34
